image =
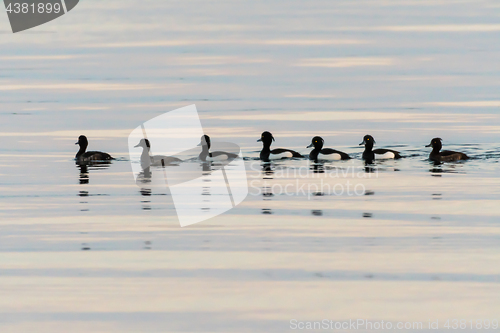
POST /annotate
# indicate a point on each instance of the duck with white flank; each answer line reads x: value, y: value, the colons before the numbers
x: 207, y: 156
x: 267, y: 154
x: 157, y: 160
x: 369, y: 154
x: 320, y: 153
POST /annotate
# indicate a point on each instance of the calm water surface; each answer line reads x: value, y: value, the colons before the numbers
x: 86, y: 249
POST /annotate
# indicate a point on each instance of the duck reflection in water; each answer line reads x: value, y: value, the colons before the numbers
x: 84, y: 168
x: 317, y: 168
x: 267, y: 173
x: 146, y: 201
x: 438, y: 168
x: 370, y: 167
x: 84, y: 178
x: 206, y: 167
x: 84, y: 174
x: 267, y: 170
x: 144, y: 176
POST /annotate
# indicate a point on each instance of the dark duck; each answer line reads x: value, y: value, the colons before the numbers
x: 267, y: 154
x: 370, y: 154
x: 320, y: 153
x: 89, y: 156
x: 437, y: 155
x: 207, y: 156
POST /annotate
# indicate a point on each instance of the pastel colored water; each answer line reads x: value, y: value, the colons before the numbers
x: 90, y: 251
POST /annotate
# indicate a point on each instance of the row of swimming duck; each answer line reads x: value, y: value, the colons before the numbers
x: 369, y: 154
x: 267, y: 154
x: 147, y: 159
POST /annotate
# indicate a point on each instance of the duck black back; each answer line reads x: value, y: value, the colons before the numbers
x: 88, y: 156
x: 369, y: 154
x: 324, y: 153
x: 437, y: 155
x: 266, y: 154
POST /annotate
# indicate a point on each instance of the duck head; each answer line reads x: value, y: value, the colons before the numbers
x: 266, y: 138
x: 82, y: 141
x: 144, y: 143
x: 368, y: 140
x: 317, y: 143
x: 205, y: 142
x: 436, y: 144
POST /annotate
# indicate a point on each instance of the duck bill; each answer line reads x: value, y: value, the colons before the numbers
x: 260, y: 140
x: 311, y: 145
x: 429, y: 145
x: 76, y: 143
x: 362, y: 143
